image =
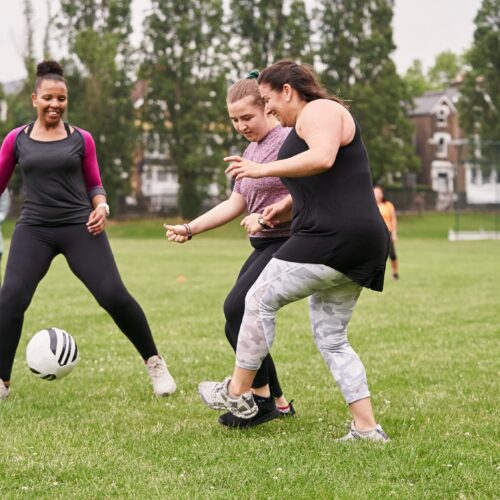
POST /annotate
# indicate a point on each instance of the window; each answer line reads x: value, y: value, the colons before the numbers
x: 442, y: 114
x: 441, y: 141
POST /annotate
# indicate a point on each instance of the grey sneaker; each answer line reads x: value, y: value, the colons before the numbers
x: 163, y: 382
x: 376, y: 434
x: 4, y: 391
x: 216, y: 396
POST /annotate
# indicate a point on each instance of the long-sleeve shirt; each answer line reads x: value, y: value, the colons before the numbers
x: 59, y: 177
x: 4, y: 210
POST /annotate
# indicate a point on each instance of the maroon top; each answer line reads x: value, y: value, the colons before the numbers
x: 259, y: 193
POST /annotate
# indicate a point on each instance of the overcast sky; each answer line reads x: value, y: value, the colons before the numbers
x: 422, y: 29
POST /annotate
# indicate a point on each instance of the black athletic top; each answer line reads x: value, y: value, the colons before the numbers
x: 336, y: 221
x: 60, y: 177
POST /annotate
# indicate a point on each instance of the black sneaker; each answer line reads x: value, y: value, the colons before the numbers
x: 291, y: 410
x: 267, y: 411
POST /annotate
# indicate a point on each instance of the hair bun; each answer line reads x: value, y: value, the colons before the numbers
x: 254, y: 74
x: 49, y: 67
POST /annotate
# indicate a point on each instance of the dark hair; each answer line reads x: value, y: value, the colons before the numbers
x: 246, y: 87
x: 301, y: 77
x: 49, y: 70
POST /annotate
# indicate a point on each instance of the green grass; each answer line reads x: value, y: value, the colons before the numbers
x: 429, y: 343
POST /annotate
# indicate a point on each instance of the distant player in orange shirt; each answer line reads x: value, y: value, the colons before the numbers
x: 388, y: 213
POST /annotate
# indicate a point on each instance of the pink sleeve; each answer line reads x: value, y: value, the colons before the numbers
x: 8, y: 158
x: 90, y: 167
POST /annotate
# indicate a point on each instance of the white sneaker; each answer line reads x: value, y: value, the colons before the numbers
x: 376, y: 434
x: 4, y: 391
x: 216, y: 396
x: 163, y: 382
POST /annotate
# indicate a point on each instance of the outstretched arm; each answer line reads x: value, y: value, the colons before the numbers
x: 324, y: 126
x: 218, y: 216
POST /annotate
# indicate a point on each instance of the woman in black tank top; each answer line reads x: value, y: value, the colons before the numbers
x: 339, y: 242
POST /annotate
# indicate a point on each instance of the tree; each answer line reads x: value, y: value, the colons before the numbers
x: 356, y: 44
x: 445, y: 69
x: 264, y: 31
x: 99, y: 70
x: 415, y: 79
x: 18, y: 105
x: 480, y: 99
x: 186, y: 46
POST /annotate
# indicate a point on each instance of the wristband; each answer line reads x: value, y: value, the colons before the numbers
x: 263, y: 223
x: 105, y: 206
x: 188, y: 229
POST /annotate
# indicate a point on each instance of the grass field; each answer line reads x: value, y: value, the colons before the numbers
x: 430, y: 344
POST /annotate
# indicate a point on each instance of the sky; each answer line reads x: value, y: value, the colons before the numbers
x: 422, y: 29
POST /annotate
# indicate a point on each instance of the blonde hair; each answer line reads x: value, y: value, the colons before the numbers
x: 243, y: 88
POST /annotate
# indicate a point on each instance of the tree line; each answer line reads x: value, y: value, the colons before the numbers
x: 192, y: 50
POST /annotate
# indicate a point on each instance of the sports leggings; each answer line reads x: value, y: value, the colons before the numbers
x: 234, y: 306
x: 90, y: 258
x: 332, y: 297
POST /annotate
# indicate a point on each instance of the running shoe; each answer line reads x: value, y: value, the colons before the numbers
x: 267, y: 411
x: 287, y: 411
x: 216, y: 396
x: 376, y: 434
x: 163, y: 382
x: 4, y: 391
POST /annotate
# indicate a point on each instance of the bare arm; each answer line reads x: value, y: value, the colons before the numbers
x: 97, y: 218
x: 278, y: 212
x: 394, y: 232
x: 324, y: 126
x: 218, y: 216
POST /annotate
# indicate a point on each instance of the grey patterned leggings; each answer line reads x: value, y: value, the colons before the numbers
x: 332, y: 297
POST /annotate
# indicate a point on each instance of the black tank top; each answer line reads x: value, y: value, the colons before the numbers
x: 336, y: 220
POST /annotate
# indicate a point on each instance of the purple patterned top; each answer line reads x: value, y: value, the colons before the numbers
x: 259, y: 193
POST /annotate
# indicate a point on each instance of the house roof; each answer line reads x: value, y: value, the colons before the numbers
x: 428, y: 103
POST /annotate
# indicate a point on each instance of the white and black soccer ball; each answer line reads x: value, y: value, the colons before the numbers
x: 52, y: 353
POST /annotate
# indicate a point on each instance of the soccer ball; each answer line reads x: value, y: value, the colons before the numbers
x: 52, y: 353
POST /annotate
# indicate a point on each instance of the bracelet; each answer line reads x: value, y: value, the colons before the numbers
x: 188, y: 229
x: 263, y: 223
x: 105, y: 206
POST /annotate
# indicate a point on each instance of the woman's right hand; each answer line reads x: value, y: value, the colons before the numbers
x: 278, y: 212
x: 177, y: 233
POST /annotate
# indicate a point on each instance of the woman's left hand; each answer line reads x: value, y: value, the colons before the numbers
x: 240, y: 168
x: 251, y: 224
x: 97, y: 221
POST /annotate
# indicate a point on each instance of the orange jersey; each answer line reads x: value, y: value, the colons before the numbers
x: 387, y: 211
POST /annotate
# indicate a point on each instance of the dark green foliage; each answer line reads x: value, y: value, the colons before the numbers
x: 265, y: 32
x: 356, y: 44
x: 20, y: 110
x: 447, y: 65
x: 185, y: 51
x: 480, y: 97
x: 99, y: 71
x: 415, y: 79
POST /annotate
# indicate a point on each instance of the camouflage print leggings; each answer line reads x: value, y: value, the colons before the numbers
x: 332, y: 297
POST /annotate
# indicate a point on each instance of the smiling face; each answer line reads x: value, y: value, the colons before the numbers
x: 50, y: 101
x: 278, y: 103
x: 249, y: 118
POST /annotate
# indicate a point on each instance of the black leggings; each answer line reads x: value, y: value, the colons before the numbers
x: 392, y: 251
x: 234, y: 306
x: 90, y: 258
